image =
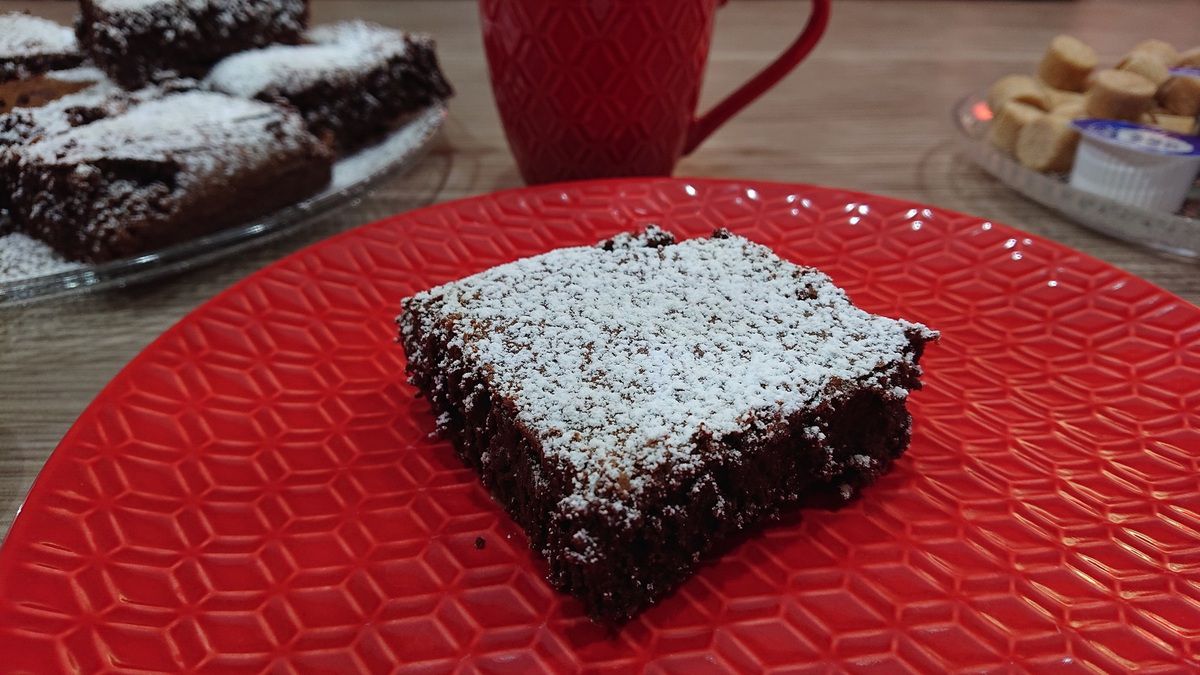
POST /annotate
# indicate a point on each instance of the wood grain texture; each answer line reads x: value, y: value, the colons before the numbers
x: 868, y: 111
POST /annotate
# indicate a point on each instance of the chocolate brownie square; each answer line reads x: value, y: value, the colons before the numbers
x: 352, y: 81
x: 30, y: 45
x: 76, y: 96
x: 134, y: 40
x: 65, y: 99
x: 635, y: 405
x: 162, y: 172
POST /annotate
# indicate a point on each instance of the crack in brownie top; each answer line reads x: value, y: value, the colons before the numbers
x: 340, y: 51
x: 22, y: 35
x: 619, y: 358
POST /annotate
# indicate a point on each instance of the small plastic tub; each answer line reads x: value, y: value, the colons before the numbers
x: 1135, y: 164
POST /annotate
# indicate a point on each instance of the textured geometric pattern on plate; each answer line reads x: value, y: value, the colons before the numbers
x: 258, y: 490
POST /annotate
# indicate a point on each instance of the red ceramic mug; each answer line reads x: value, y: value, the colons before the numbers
x: 597, y: 88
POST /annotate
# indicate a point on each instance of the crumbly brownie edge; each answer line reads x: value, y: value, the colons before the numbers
x: 130, y: 47
x: 356, y: 113
x: 31, y: 66
x: 349, y: 112
x: 154, y: 215
x: 97, y: 207
x: 86, y: 97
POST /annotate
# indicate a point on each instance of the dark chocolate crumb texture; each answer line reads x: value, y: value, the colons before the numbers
x: 91, y: 96
x: 70, y: 99
x: 136, y: 40
x: 352, y: 81
x: 636, y: 404
x: 161, y: 172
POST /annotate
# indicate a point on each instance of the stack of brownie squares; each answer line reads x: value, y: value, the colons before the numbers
x: 158, y: 121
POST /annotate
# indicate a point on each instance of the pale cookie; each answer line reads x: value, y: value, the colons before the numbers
x: 1189, y: 59
x: 1146, y: 64
x: 1073, y: 110
x: 1119, y: 95
x: 1058, y: 97
x: 1008, y: 124
x: 1180, y: 95
x: 1165, y: 51
x: 1067, y: 63
x: 1180, y: 124
x: 1020, y: 88
x: 1047, y: 144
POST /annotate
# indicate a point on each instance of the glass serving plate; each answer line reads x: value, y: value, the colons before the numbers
x: 352, y: 175
x: 1178, y: 234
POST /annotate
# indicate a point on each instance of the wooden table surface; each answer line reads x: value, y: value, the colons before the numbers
x: 869, y: 110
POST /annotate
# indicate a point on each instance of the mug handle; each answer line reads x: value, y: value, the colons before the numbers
x: 703, y: 127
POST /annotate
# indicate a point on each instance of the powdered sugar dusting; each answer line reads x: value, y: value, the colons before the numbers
x: 79, y: 74
x: 128, y: 5
x: 22, y: 257
x: 349, y: 175
x: 118, y: 32
x: 102, y: 97
x: 343, y: 50
x: 25, y: 35
x: 363, y: 35
x: 619, y: 360
x: 181, y: 146
x: 200, y: 130
x: 224, y: 6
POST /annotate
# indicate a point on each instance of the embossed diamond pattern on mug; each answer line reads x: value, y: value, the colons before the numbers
x: 258, y: 490
x: 594, y: 88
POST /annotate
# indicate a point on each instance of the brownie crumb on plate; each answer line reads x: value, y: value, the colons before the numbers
x: 635, y: 404
x: 352, y: 81
x: 136, y: 40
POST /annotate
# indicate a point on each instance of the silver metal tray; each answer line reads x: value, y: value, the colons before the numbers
x: 352, y: 175
x: 1178, y: 234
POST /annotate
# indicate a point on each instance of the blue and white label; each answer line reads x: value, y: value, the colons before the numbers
x: 1138, y: 137
x: 1186, y: 72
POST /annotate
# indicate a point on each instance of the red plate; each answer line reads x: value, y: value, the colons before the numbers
x: 257, y: 491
